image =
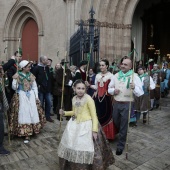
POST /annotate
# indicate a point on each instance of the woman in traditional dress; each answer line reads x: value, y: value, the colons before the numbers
x: 83, y: 144
x: 26, y: 114
x: 103, y: 100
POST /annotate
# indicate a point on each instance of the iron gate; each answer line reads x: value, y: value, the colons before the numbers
x: 85, y: 40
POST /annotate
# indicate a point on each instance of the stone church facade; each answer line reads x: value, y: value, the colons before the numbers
x: 57, y: 20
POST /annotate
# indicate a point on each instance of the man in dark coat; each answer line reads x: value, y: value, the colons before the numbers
x: 81, y: 72
x: 43, y: 79
x: 13, y: 62
x: 67, y: 88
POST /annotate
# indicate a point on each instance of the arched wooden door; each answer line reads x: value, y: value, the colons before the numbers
x: 30, y: 41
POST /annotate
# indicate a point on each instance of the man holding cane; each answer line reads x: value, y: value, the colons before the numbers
x: 121, y: 86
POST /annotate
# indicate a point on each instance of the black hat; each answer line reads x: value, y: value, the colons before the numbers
x: 166, y: 64
x: 83, y: 62
x: 50, y: 59
x: 141, y: 67
x: 63, y: 61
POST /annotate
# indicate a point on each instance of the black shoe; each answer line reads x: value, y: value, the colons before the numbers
x: 119, y: 152
x: 162, y: 94
x: 50, y: 120
x: 157, y: 105
x: 151, y: 109
x: 133, y: 124
x: 68, y: 118
x: 4, y: 152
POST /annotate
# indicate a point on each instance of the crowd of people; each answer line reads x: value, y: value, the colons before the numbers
x: 96, y: 102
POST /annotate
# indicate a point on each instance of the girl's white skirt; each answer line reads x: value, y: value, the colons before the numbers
x: 77, y: 142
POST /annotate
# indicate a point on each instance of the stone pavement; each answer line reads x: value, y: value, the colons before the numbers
x: 149, y: 147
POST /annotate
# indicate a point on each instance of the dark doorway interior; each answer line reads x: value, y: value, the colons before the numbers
x: 156, y: 30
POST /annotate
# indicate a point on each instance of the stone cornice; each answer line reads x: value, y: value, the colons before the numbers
x: 10, y: 39
x: 69, y: 0
x: 106, y: 24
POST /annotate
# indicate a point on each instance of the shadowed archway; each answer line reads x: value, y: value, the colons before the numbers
x: 18, y: 16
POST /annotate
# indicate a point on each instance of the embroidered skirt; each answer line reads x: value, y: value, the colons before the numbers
x: 104, y: 111
x: 77, y: 150
x: 25, y: 129
x: 142, y: 103
x: 155, y: 93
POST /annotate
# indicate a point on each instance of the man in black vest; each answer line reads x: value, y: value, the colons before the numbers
x: 67, y: 87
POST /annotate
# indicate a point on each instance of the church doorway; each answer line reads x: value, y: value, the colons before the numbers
x: 30, y: 41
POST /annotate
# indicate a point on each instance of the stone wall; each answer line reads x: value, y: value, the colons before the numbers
x: 56, y: 21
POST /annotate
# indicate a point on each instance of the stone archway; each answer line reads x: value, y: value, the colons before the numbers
x: 20, y: 13
x: 115, y: 19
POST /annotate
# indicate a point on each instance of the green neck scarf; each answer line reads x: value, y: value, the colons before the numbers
x: 143, y: 75
x: 51, y: 70
x: 155, y: 71
x: 123, y: 76
x: 24, y: 76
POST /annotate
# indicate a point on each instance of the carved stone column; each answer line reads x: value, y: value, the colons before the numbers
x: 70, y: 19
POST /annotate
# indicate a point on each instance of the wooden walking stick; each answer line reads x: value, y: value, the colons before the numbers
x: 130, y: 104
x: 160, y: 77
x: 6, y: 49
x: 19, y: 40
x: 88, y: 59
x: 62, y: 96
x: 5, y: 101
x: 149, y: 99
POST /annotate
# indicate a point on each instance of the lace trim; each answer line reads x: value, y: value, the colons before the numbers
x: 82, y: 102
x: 104, y: 78
x: 82, y: 157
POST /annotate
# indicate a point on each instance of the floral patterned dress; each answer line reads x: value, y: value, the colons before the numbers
x: 25, y: 114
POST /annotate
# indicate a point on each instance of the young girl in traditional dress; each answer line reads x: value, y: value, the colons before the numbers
x: 25, y: 113
x: 83, y: 144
